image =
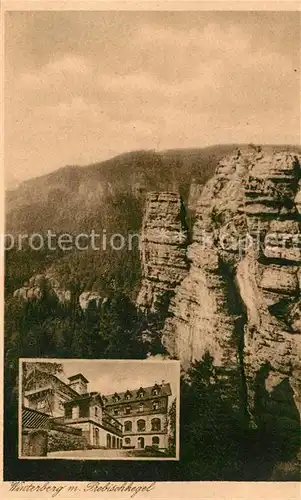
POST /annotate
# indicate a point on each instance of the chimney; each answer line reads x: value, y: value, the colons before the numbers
x: 78, y: 383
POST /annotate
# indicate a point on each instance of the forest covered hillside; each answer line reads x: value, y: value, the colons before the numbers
x: 76, y: 198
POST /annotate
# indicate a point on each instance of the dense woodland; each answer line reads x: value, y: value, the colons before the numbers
x: 217, y: 440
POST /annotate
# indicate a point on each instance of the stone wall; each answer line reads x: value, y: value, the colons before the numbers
x: 34, y: 442
x: 59, y: 441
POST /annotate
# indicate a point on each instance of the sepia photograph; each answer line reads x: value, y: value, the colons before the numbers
x: 60, y: 417
x: 152, y: 244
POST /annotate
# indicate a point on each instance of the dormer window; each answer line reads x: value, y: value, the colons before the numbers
x: 140, y: 393
x: 156, y: 390
x: 116, y: 397
x: 128, y: 395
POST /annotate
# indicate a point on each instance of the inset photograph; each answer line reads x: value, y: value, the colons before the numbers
x: 99, y: 409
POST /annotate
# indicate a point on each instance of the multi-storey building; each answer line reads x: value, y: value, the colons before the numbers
x: 132, y: 419
x: 72, y: 405
x: 143, y: 414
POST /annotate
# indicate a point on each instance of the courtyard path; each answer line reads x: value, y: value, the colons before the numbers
x: 96, y: 453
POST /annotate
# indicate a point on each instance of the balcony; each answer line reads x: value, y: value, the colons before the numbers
x: 111, y: 423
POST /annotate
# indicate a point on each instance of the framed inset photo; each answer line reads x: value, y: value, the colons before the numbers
x: 98, y: 409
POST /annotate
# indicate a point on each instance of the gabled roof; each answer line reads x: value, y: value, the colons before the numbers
x: 163, y: 390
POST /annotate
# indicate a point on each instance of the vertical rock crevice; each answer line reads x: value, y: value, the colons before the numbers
x: 234, y: 287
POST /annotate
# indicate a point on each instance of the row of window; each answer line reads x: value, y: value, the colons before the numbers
x: 128, y: 395
x: 155, y: 441
x: 113, y: 442
x: 141, y: 408
x: 141, y: 425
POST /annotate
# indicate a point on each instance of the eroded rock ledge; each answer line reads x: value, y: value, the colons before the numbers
x: 240, y: 297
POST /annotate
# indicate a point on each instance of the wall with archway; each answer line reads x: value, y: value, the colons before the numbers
x: 148, y: 440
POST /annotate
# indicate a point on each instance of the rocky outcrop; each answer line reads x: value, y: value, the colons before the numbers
x: 29, y: 291
x: 240, y: 299
x: 39, y: 285
x: 163, y: 250
x: 90, y: 297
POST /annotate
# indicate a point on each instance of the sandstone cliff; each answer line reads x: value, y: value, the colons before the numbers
x: 240, y: 298
x: 163, y: 250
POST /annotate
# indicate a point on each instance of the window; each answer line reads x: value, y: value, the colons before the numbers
x: 116, y: 411
x: 156, y: 390
x: 141, y: 408
x: 128, y: 426
x: 116, y: 397
x: 61, y: 405
x: 141, y: 425
x: 41, y: 404
x: 75, y: 411
x: 128, y: 410
x: 140, y: 442
x: 140, y: 392
x: 155, y: 405
x: 96, y: 436
x: 156, y: 424
x: 96, y: 411
x: 127, y: 441
x: 155, y: 441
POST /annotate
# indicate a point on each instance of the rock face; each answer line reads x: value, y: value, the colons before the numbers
x: 87, y: 298
x: 39, y: 284
x: 240, y: 298
x: 163, y: 250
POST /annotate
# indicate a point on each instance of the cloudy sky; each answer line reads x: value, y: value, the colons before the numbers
x: 108, y: 376
x: 81, y: 87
